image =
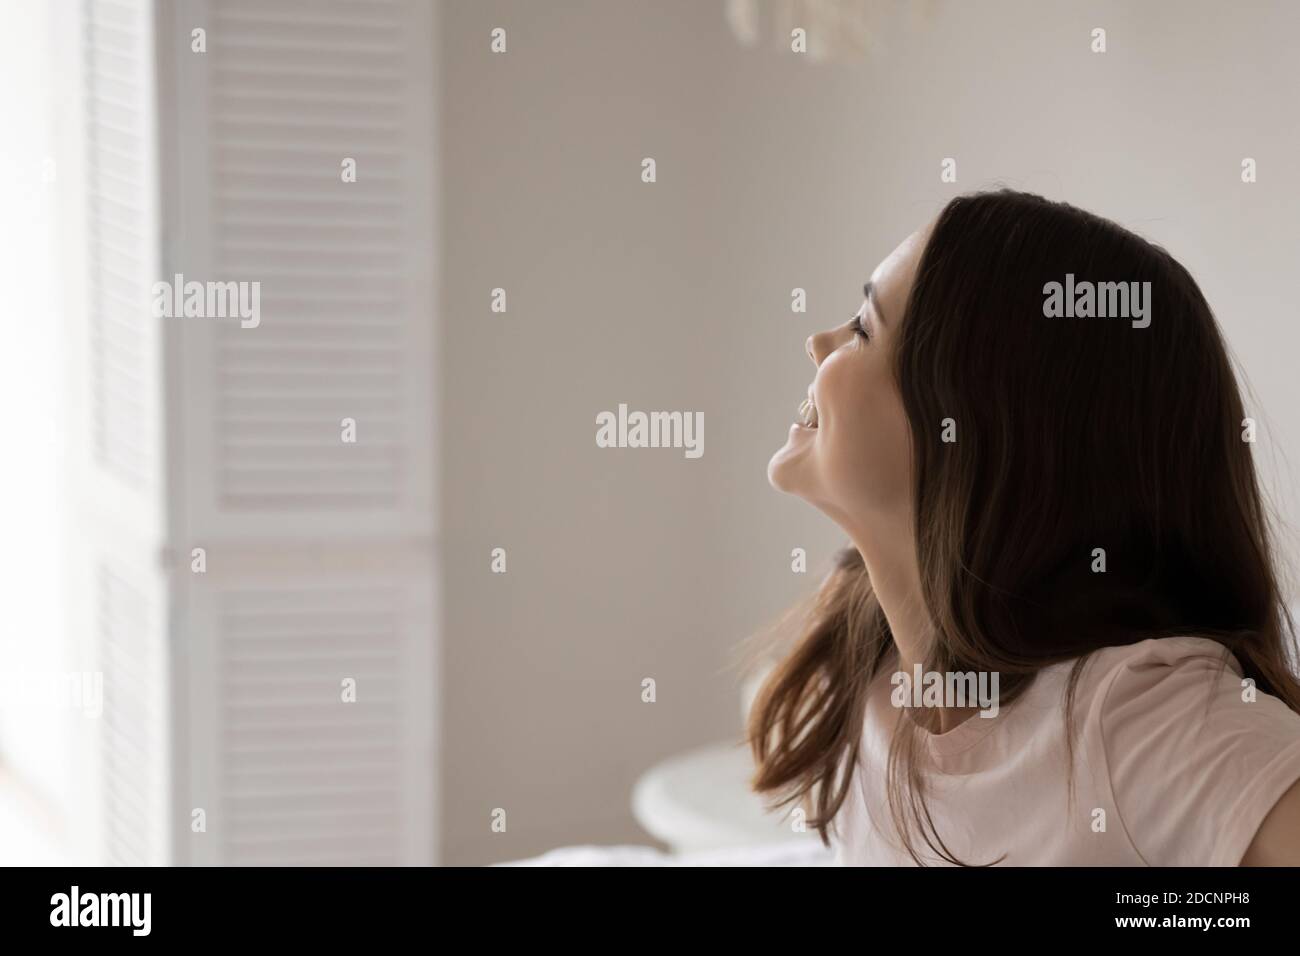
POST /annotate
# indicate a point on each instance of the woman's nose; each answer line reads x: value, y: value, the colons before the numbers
x: 819, y: 346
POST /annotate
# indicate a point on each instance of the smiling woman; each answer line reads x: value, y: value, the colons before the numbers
x: 1027, y: 500
x: 851, y: 445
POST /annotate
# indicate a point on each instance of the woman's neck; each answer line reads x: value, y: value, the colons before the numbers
x: 888, y: 550
x: 889, y: 554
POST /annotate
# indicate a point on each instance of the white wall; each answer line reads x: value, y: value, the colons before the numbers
x: 773, y: 173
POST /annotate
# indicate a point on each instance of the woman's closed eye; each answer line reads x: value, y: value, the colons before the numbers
x: 857, y: 326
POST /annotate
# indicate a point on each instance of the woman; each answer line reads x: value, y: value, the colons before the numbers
x: 1062, y: 506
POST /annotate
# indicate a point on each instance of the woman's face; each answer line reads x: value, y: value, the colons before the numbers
x: 849, y: 453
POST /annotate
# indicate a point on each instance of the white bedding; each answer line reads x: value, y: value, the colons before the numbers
x: 785, y: 853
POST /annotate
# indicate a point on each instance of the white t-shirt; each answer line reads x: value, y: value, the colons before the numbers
x: 1179, y: 786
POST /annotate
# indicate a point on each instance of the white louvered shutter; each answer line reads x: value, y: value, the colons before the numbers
x: 118, y: 453
x: 319, y: 552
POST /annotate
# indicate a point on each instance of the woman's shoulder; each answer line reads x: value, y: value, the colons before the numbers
x: 1155, y: 662
x: 1192, y: 752
x: 1161, y: 651
x: 1168, y: 699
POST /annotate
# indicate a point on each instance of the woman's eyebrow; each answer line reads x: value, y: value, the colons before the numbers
x: 869, y: 292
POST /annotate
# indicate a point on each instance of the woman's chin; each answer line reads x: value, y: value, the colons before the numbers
x: 776, y: 474
x: 784, y: 467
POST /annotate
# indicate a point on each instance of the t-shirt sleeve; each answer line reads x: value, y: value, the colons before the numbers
x: 1194, y: 765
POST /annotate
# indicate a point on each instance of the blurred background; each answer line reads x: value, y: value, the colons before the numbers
x: 184, y: 517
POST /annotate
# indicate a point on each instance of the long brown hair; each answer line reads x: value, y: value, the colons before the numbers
x: 1073, y: 434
